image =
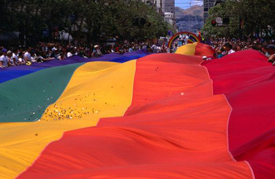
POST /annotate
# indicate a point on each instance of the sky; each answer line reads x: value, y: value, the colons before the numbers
x: 185, y: 4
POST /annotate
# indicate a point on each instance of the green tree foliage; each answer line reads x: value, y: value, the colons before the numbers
x: 258, y: 16
x: 227, y: 9
x: 247, y: 18
x: 92, y: 19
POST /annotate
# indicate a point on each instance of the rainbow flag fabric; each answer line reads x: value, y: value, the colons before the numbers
x: 159, y: 116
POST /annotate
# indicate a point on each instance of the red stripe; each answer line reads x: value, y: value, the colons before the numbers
x: 248, y: 81
x: 204, y: 50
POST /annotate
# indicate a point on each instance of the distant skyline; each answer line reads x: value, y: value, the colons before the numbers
x: 185, y: 4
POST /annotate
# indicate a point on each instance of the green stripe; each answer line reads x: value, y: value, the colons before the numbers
x: 25, y: 99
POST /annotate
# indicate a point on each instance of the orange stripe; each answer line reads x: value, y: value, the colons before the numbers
x: 175, y: 128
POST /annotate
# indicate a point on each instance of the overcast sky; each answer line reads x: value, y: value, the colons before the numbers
x: 185, y: 4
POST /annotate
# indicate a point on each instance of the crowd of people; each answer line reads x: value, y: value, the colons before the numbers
x: 224, y: 47
x: 50, y: 51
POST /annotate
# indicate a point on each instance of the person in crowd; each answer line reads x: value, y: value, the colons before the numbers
x: 61, y: 56
x: 131, y: 49
x: 96, y: 51
x: 238, y: 48
x: 186, y: 38
x: 69, y: 54
x: 33, y: 56
x: 21, y: 60
x: 264, y: 51
x: 11, y: 62
x: 154, y: 48
x: 220, y: 53
x: 14, y: 56
x: 175, y: 47
x: 144, y: 46
x: 27, y: 55
x: 39, y: 58
x: 228, y: 48
x: 149, y: 49
x: 163, y: 48
x: 3, y: 58
x: 271, y: 52
x: 81, y: 52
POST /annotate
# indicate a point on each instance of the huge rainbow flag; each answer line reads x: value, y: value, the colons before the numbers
x: 160, y: 116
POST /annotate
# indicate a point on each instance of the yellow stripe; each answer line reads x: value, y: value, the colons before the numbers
x: 96, y: 90
x: 188, y: 49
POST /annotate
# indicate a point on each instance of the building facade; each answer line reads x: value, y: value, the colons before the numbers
x: 166, y: 8
x: 207, y: 4
x: 168, y: 11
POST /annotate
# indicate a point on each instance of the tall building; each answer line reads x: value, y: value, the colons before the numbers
x: 158, y: 4
x: 166, y: 8
x: 207, y: 4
